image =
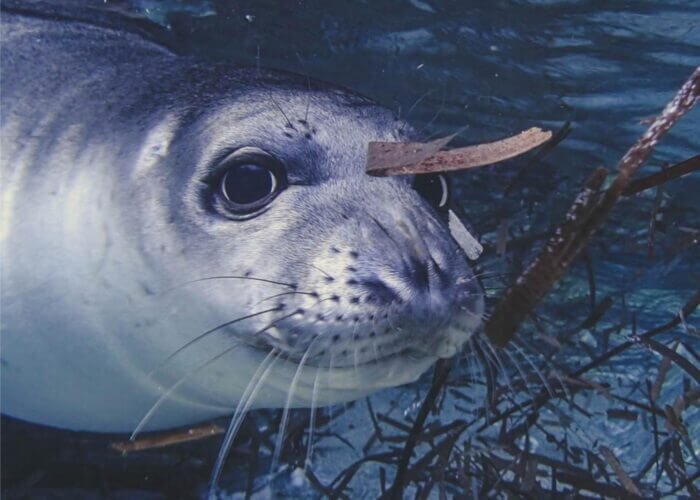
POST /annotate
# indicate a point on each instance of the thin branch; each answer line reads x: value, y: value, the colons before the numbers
x: 667, y: 174
x: 586, y: 215
x: 168, y: 439
x: 442, y: 370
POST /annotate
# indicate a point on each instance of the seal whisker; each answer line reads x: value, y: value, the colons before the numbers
x: 387, y: 233
x: 163, y: 397
x: 331, y: 420
x: 285, y: 412
x: 324, y: 272
x: 147, y: 417
x: 490, y: 382
x: 514, y: 361
x: 435, y: 115
x: 312, y: 421
x: 312, y: 294
x: 242, y: 408
x: 205, y: 334
x: 480, y: 316
x: 413, y: 106
x: 279, y: 108
x: 230, y: 277
x: 494, y: 355
x: 553, y: 370
x: 524, y: 355
x: 488, y: 274
x: 308, y: 87
x: 472, y: 359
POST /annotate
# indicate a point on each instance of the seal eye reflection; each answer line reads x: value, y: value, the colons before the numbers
x: 434, y: 188
x: 249, y: 179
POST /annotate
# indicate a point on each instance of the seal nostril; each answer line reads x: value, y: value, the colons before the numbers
x: 420, y: 272
x: 380, y: 291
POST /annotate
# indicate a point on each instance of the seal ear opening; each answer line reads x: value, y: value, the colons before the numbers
x: 467, y: 242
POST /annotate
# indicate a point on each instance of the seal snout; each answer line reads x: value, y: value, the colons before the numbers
x: 382, y: 287
x: 417, y: 263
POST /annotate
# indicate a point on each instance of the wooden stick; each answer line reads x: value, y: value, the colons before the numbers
x: 401, y: 158
x: 168, y: 439
x: 583, y: 219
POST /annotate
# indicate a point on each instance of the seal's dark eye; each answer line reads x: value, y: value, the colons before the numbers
x: 434, y: 188
x: 248, y: 184
x: 250, y: 179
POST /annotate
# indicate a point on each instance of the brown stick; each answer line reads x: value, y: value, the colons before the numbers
x: 169, y: 439
x: 397, y: 158
x: 572, y: 236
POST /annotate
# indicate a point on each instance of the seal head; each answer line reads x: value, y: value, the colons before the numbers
x: 208, y: 233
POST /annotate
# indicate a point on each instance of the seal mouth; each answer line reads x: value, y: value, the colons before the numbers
x: 443, y: 341
x: 322, y: 359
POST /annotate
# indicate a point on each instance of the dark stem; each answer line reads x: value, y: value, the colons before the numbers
x: 442, y: 370
x: 583, y: 219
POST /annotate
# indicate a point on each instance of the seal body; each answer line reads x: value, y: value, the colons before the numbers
x: 123, y: 279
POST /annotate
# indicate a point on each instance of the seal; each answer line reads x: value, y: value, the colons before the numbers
x: 180, y: 238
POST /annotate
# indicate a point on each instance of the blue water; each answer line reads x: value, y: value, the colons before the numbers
x: 496, y: 68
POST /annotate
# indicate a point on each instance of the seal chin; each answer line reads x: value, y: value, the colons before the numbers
x: 452, y: 339
x: 321, y: 386
x: 405, y: 362
x: 319, y: 382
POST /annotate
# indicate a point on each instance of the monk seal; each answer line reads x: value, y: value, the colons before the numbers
x: 207, y: 232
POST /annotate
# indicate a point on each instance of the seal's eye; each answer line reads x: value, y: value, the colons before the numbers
x: 248, y: 184
x: 434, y: 188
x: 249, y: 180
